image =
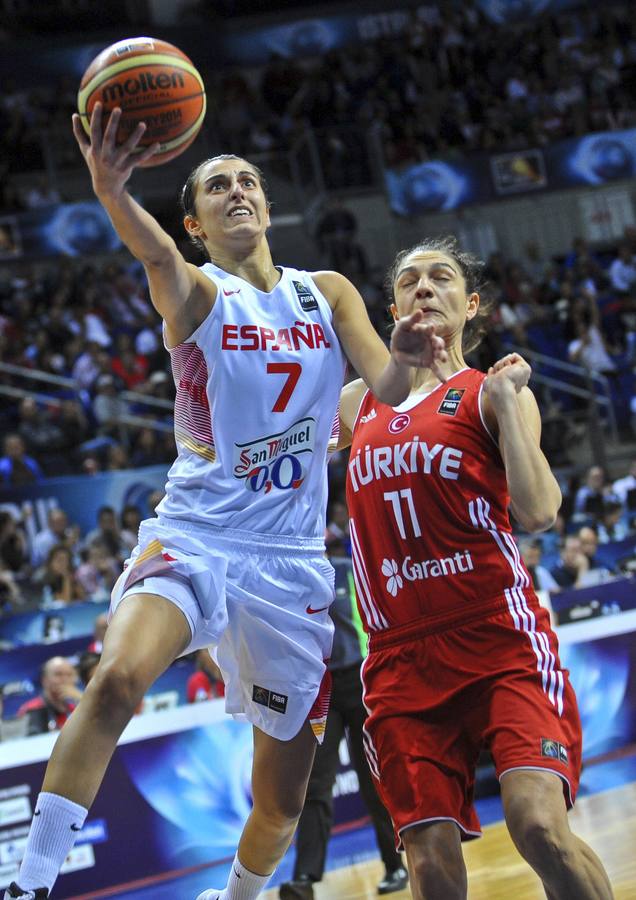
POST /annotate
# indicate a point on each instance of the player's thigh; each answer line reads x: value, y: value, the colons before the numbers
x: 280, y: 772
x: 146, y: 633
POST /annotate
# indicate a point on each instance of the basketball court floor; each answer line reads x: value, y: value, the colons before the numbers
x: 604, y: 816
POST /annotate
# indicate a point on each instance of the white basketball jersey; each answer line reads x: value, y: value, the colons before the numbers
x: 258, y: 385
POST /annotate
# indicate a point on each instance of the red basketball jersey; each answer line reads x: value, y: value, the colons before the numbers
x: 428, y: 501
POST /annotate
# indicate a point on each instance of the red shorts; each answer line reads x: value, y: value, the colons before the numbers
x: 438, y: 695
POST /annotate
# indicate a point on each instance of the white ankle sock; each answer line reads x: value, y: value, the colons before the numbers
x: 56, y: 823
x: 243, y: 884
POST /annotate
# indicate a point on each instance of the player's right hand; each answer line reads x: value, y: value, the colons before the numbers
x: 110, y: 165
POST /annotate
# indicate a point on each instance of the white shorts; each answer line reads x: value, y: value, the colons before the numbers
x: 260, y: 603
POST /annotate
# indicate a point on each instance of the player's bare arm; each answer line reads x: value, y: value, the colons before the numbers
x: 350, y: 399
x: 388, y: 375
x: 179, y: 292
x: 512, y: 412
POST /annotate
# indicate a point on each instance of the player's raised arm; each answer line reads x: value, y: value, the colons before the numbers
x: 181, y: 295
x: 413, y: 343
x: 535, y: 496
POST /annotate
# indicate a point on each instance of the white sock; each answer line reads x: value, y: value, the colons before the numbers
x: 243, y: 884
x: 55, y: 826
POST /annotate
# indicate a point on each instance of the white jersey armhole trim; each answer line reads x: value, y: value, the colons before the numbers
x: 482, y: 416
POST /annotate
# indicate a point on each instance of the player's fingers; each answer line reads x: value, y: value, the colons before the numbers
x: 147, y: 154
x: 79, y: 133
x: 96, y: 125
x: 132, y: 140
x: 110, y: 129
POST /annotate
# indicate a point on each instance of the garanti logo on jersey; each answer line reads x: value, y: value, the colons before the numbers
x: 451, y: 401
x: 307, y: 300
x: 272, y: 461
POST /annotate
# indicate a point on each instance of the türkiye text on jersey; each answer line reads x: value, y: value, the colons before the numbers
x: 273, y: 461
x: 411, y: 457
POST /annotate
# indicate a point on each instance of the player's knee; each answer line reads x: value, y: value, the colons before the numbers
x: 439, y: 876
x: 282, y: 811
x: 117, y: 689
x: 543, y: 843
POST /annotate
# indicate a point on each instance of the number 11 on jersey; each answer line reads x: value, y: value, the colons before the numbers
x: 395, y: 498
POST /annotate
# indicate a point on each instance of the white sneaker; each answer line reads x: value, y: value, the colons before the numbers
x: 212, y: 894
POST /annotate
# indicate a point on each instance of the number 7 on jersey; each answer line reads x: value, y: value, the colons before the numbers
x: 293, y: 372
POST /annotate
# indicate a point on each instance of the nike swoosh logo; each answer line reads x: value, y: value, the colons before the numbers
x: 312, y: 611
x: 229, y: 293
x: 37, y: 812
x: 76, y: 828
x: 236, y: 873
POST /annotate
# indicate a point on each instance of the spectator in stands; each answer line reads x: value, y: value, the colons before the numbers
x: 130, y: 520
x: 338, y: 524
x: 108, y: 406
x: 622, y: 271
x: 10, y: 596
x: 57, y: 532
x: 98, y: 570
x: 117, y: 458
x: 611, y: 525
x: 14, y: 549
x: 590, y: 496
x: 588, y: 348
x: 108, y: 532
x: 625, y: 488
x: 207, y: 682
x: 58, y: 697
x: 59, y: 580
x: 16, y: 468
x: 597, y: 571
x: 542, y: 580
x: 100, y: 626
x: 39, y: 430
x: 569, y: 572
x: 87, y: 664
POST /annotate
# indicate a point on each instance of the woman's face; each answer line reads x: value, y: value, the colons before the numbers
x: 60, y: 562
x: 230, y: 203
x: 433, y: 282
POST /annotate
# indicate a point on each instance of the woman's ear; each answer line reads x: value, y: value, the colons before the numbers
x: 394, y: 312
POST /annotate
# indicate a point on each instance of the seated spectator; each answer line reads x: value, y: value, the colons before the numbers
x: 10, y: 596
x: 98, y: 570
x: 59, y: 580
x: 16, y: 468
x: 625, y: 488
x: 588, y: 348
x: 207, y: 682
x: 611, y: 525
x: 108, y: 532
x: 338, y: 524
x: 57, y: 532
x: 597, y: 571
x: 87, y: 664
x: 108, y: 406
x: 14, y: 550
x: 130, y: 521
x: 100, y: 626
x: 622, y: 271
x: 542, y: 580
x: 591, y: 495
x: 569, y: 572
x: 58, y: 697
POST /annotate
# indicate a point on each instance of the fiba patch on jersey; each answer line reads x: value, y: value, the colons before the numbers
x: 554, y: 750
x: 451, y: 401
x: 307, y: 300
x: 270, y: 699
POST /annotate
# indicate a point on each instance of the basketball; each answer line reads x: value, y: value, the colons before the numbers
x: 153, y: 82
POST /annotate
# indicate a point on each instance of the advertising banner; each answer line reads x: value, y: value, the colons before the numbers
x: 81, y: 496
x: 65, y: 229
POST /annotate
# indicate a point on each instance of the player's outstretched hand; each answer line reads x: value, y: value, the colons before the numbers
x: 511, y: 369
x: 110, y: 165
x: 414, y: 343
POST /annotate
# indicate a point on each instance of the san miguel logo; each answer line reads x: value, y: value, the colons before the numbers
x: 273, y: 461
x: 307, y: 300
x: 451, y: 401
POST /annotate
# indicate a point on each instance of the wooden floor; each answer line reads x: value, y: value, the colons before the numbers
x: 606, y: 821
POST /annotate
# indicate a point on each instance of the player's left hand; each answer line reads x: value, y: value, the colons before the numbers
x: 510, y: 370
x: 414, y: 343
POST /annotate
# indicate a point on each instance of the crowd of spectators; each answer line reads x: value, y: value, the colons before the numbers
x: 452, y: 83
